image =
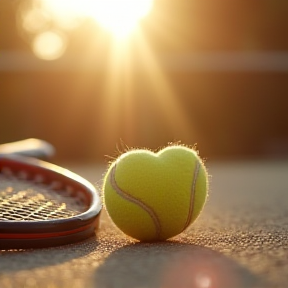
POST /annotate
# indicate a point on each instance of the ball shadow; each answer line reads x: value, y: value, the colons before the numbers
x: 171, y: 265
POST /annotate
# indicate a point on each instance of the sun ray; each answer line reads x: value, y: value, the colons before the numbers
x: 119, y: 92
x: 130, y: 79
x: 165, y: 96
x: 120, y: 18
x: 122, y: 113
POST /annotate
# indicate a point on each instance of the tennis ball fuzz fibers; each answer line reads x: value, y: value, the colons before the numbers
x: 155, y: 196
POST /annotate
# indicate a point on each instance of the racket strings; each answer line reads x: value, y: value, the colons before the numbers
x: 23, y: 200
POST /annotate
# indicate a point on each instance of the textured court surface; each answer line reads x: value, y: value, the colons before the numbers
x: 240, y: 240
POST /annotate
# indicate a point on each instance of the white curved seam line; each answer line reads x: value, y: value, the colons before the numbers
x: 193, y: 189
x: 136, y: 201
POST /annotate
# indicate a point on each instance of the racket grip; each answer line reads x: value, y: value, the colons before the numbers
x: 31, y: 147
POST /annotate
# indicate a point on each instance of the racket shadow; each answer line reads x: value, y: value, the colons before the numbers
x: 171, y: 265
x: 17, y: 260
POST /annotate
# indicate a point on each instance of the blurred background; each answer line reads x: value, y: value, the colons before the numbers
x: 94, y: 76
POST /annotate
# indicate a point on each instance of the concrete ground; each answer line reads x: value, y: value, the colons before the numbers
x: 239, y: 240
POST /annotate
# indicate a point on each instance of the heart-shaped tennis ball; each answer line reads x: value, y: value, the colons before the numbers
x: 155, y: 196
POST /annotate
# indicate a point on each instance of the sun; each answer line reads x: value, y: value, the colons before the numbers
x: 128, y: 59
x: 119, y: 17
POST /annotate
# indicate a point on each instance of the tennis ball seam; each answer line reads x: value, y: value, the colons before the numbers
x: 136, y: 201
x: 193, y: 190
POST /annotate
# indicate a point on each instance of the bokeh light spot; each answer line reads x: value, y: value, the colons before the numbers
x: 203, y: 281
x: 49, y: 45
x: 35, y: 20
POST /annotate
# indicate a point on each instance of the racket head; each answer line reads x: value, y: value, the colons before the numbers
x: 40, y: 230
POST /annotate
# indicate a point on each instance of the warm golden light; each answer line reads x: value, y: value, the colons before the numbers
x: 118, y: 17
x: 133, y: 84
x: 49, y: 45
x: 121, y: 17
x: 35, y: 20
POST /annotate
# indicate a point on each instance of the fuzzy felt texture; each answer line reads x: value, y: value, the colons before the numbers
x: 155, y: 196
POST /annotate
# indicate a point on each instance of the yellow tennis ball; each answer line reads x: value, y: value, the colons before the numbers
x: 155, y: 196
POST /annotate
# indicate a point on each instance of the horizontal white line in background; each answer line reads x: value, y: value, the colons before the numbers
x: 274, y: 61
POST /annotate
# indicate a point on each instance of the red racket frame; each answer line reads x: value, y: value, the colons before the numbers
x: 46, y: 233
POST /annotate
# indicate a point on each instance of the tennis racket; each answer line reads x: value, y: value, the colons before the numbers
x: 41, y: 204
x: 29, y: 147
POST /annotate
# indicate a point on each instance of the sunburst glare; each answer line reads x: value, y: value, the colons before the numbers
x: 136, y: 98
x: 118, y: 17
x: 121, y: 17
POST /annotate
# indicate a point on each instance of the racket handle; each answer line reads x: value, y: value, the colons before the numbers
x: 31, y: 147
